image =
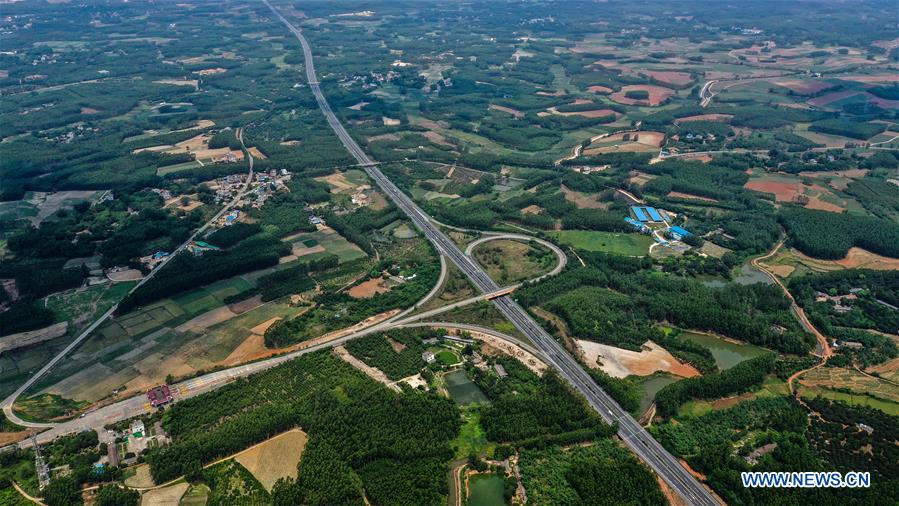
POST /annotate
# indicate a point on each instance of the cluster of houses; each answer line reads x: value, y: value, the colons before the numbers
x: 839, y: 300
x: 369, y: 81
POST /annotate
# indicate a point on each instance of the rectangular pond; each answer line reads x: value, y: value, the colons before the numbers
x: 486, y: 490
x: 463, y: 390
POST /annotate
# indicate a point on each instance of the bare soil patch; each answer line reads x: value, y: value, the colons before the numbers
x: 275, y: 458
x: 207, y: 319
x: 369, y: 289
x: 705, y: 117
x: 621, y: 363
x: 821, y: 205
x: 338, y: 181
x: 641, y: 178
x: 595, y: 113
x: 783, y: 192
x: 782, y: 271
x: 509, y: 110
x: 246, y: 305
x: 829, y: 98
x: 532, y: 209
x: 657, y: 95
x: 689, y: 196
x: 438, y: 139
x: 194, y: 83
x: 874, y: 78
x: 383, y: 137
x: 30, y: 337
x: 805, y: 87
x: 125, y: 275
x: 372, y: 372
x: 256, y: 153
x: 602, y: 90
x: 669, y: 77
x: 141, y: 477
x: 8, y: 438
x: 251, y: 348
x: 582, y: 200
x: 496, y: 346
x: 859, y: 258
x: 168, y: 496
x: 262, y: 327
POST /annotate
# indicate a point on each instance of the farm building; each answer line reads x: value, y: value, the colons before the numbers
x: 645, y: 214
x: 159, y: 396
x: 678, y: 233
x: 643, y: 229
x: 428, y: 357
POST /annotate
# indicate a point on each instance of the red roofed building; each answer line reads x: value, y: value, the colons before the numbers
x: 159, y: 396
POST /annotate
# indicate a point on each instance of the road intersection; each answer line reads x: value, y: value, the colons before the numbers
x: 630, y: 431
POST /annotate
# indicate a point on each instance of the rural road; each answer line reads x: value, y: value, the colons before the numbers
x: 629, y: 430
x: 10, y: 401
x: 825, y: 351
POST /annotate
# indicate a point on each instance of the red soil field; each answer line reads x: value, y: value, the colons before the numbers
x: 602, y: 90
x: 805, y: 87
x: 657, y: 95
x: 669, y: 77
x: 783, y: 192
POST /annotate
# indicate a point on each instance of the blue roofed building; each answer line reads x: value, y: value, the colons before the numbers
x: 678, y: 233
x: 649, y: 214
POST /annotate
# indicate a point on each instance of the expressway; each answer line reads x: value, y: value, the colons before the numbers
x: 630, y: 431
x: 9, y: 401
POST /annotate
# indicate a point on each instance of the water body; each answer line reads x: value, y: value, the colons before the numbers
x: 727, y: 354
x: 748, y: 275
x: 463, y: 390
x: 486, y: 490
x: 651, y: 387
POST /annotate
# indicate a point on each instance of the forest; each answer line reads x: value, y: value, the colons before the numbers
x: 715, y: 444
x: 827, y: 235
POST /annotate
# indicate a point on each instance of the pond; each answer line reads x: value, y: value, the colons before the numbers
x: 748, y: 275
x: 463, y: 390
x: 486, y: 490
x: 651, y: 387
x: 727, y: 354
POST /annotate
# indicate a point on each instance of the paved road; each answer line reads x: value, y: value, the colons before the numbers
x: 706, y: 95
x: 9, y: 401
x: 630, y: 431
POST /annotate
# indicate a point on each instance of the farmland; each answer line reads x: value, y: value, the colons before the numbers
x: 172, y: 166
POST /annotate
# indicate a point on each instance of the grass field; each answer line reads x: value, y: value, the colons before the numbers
x: 508, y: 261
x: 446, y: 357
x: 275, y: 458
x: 609, y: 242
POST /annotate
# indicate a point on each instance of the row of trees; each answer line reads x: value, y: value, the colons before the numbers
x: 735, y: 380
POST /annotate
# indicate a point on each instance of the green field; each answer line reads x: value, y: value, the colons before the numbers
x: 609, y: 242
x: 331, y: 241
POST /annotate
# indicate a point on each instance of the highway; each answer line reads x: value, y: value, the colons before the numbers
x: 630, y: 431
x: 9, y: 401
